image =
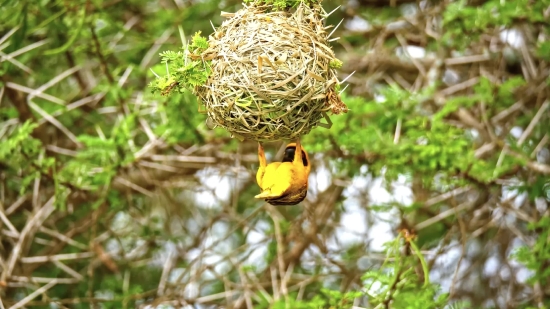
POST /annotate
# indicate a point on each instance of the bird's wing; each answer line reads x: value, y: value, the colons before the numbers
x: 260, y: 175
x: 265, y: 176
x: 292, y: 194
x: 277, y: 179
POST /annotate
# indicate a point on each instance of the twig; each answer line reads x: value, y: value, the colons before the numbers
x: 534, y: 166
x: 62, y: 151
x: 458, y: 87
x: 7, y: 35
x: 8, y: 223
x: 533, y: 122
x: 280, y: 245
x: 443, y: 215
x: 415, y: 61
x: 209, y: 298
x: 31, y: 296
x: 463, y: 238
x: 54, y: 121
x: 13, y: 61
x: 486, y: 148
x: 500, y: 160
x: 53, y: 81
x: 68, y: 270
x: 284, y: 280
x: 486, y: 122
x: 274, y: 284
x: 126, y: 287
x: 466, y: 59
x: 122, y: 80
x: 445, y: 196
x: 59, y: 257
x: 162, y: 167
x: 539, y: 146
x: 36, y: 221
x: 102, y: 60
x: 36, y: 186
x: 187, y: 159
x: 468, y: 119
x: 153, y: 50
x: 133, y: 186
x: 41, y: 95
x: 27, y: 48
x: 507, y: 112
x: 44, y: 280
x: 79, y: 300
x: 397, y: 131
x: 528, y: 58
x: 168, y: 265
x: 246, y: 289
x: 127, y: 26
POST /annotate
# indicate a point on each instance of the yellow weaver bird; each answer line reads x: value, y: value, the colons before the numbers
x: 284, y: 183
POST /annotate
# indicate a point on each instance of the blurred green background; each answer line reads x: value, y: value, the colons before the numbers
x: 431, y: 192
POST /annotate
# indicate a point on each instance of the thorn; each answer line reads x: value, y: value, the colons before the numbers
x: 182, y: 37
x: 335, y: 28
x: 213, y: 26
x: 345, y: 79
x: 340, y: 92
x: 328, y: 14
x: 7, y: 35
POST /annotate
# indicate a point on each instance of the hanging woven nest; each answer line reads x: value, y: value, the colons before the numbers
x: 273, y: 73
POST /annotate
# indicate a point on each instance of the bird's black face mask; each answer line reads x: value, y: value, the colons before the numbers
x: 289, y: 155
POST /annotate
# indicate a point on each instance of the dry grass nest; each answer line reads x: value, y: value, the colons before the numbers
x: 271, y: 73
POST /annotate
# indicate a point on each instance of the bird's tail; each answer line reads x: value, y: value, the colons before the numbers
x: 261, y: 155
x: 264, y: 195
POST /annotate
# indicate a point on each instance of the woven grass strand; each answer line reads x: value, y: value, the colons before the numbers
x: 271, y: 77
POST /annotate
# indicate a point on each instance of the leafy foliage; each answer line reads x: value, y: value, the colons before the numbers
x: 465, y: 22
x: 183, y: 73
x: 395, y: 284
x: 536, y: 258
